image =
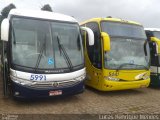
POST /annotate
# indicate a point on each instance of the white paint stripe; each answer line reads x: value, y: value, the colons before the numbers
x: 50, y: 77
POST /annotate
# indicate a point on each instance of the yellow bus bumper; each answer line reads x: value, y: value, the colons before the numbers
x: 113, y: 85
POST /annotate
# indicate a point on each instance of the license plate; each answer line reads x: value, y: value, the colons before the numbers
x: 56, y: 92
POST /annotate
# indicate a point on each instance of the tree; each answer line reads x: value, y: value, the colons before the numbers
x: 5, y: 11
x: 47, y: 7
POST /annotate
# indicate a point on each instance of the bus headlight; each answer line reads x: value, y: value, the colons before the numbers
x: 142, y: 76
x: 146, y: 77
x: 20, y: 81
x: 112, y: 78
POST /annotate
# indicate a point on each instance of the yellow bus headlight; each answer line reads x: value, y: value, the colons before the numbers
x: 146, y: 77
x: 143, y: 76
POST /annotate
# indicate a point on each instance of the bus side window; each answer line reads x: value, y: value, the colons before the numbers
x: 152, y: 45
x: 94, y: 52
x: 154, y: 55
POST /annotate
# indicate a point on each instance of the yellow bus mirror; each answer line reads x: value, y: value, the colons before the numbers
x: 106, y: 41
x: 157, y: 41
x: 90, y: 35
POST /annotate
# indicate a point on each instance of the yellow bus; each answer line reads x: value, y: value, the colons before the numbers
x: 120, y: 57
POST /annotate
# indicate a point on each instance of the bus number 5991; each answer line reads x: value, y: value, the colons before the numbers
x: 38, y: 77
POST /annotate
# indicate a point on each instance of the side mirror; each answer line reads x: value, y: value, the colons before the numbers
x: 5, y: 29
x: 90, y: 35
x: 106, y: 41
x: 157, y: 41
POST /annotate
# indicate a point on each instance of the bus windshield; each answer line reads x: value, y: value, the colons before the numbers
x: 129, y: 49
x: 42, y: 44
x: 156, y: 34
x: 123, y: 30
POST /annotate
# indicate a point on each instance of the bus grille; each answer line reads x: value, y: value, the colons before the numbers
x: 55, y: 84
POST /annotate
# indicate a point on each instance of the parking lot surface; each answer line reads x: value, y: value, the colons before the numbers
x: 137, y: 101
x: 144, y: 100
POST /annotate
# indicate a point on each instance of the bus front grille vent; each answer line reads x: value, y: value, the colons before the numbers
x: 55, y: 84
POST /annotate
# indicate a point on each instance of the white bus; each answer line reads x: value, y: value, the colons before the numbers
x: 42, y: 54
x: 153, y: 37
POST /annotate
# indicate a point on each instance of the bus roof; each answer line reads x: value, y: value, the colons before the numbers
x: 152, y: 29
x: 41, y: 14
x: 110, y: 19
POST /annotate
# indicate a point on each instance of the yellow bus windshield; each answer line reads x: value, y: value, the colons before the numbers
x: 123, y: 29
x: 129, y: 49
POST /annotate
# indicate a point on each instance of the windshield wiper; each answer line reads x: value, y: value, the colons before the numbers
x: 124, y: 64
x: 65, y: 55
x: 41, y: 53
x: 14, y: 37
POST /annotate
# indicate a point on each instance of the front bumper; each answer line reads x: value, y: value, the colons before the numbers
x: 26, y: 92
x: 112, y: 85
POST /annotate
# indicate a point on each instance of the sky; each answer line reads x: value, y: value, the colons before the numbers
x: 146, y: 12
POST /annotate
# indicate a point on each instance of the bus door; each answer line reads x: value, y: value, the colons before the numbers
x: 94, y: 56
